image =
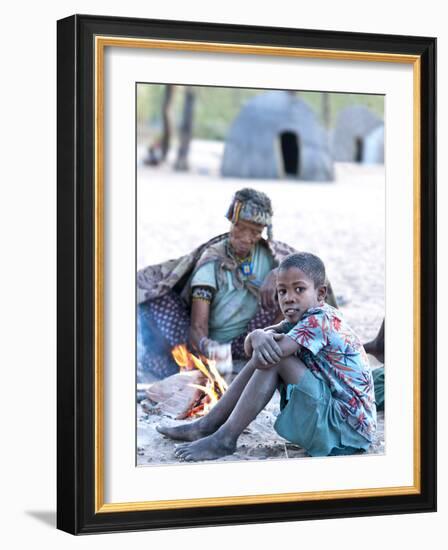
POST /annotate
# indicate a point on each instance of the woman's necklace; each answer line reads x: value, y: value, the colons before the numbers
x: 245, y: 264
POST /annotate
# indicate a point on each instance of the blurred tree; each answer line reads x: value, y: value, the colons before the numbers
x: 166, y: 120
x: 158, y: 151
x: 185, y: 129
x: 326, y: 110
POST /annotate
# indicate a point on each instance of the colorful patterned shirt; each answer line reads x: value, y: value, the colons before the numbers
x: 333, y: 353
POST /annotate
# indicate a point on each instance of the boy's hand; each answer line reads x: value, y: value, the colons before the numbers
x: 265, y: 348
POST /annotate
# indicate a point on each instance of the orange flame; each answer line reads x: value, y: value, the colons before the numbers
x: 215, y: 385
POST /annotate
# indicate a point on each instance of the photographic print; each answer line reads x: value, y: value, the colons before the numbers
x: 260, y: 274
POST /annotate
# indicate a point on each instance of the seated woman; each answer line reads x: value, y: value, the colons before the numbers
x: 217, y: 294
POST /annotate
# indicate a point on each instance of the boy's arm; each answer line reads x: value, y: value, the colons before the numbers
x: 248, y: 347
x: 279, y: 328
x: 263, y: 340
x: 287, y: 347
x: 268, y: 347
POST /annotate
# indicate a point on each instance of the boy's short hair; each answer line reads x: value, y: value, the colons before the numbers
x: 310, y: 264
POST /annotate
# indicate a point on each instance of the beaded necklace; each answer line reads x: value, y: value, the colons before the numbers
x: 245, y: 264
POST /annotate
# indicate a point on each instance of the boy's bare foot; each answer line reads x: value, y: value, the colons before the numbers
x: 207, y: 448
x: 186, y: 432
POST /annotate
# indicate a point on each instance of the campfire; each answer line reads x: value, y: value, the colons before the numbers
x: 213, y: 386
x: 194, y: 390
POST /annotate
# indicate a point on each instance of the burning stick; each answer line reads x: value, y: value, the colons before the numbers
x: 176, y: 395
x: 215, y: 385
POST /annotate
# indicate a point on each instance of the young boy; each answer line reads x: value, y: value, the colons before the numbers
x: 318, y: 363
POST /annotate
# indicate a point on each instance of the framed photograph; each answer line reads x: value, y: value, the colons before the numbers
x: 246, y: 274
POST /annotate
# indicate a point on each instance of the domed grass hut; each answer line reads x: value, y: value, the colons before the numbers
x: 374, y: 146
x: 276, y: 135
x: 350, y: 137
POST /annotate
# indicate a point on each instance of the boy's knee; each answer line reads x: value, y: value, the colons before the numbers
x: 292, y: 362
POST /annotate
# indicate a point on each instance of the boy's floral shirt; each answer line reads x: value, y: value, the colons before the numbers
x: 333, y: 353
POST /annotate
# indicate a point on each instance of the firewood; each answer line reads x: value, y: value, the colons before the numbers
x: 175, y: 395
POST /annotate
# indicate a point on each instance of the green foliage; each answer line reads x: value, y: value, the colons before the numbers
x: 339, y: 101
x: 216, y: 108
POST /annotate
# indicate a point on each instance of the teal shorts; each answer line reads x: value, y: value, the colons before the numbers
x: 310, y: 418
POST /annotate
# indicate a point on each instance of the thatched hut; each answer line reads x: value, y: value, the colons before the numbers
x: 276, y: 135
x: 374, y: 146
x: 354, y: 127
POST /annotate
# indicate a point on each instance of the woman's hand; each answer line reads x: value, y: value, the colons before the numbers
x: 266, y: 350
x: 268, y: 290
x: 209, y: 348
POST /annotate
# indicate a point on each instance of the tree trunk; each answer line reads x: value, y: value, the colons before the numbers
x: 326, y: 109
x: 185, y: 130
x: 167, y: 122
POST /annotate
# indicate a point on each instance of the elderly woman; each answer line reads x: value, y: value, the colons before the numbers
x: 217, y: 294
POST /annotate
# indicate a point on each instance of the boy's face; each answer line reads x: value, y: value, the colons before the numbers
x: 297, y: 293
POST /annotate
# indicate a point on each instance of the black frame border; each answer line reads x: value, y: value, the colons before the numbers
x: 76, y: 264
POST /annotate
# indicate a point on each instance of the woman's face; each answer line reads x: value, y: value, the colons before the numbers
x: 244, y: 236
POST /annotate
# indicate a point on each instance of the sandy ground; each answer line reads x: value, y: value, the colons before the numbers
x: 342, y: 222
x: 258, y: 442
